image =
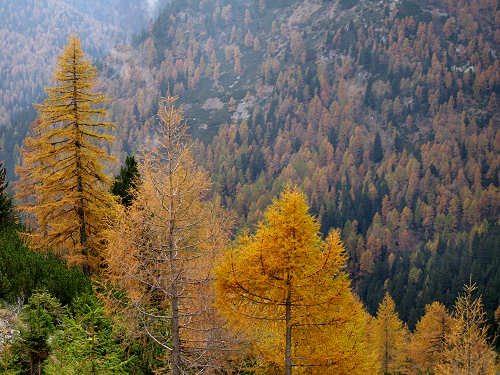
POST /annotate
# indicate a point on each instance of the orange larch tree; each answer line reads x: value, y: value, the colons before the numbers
x: 285, y: 288
x: 162, y: 249
x: 61, y: 180
x: 391, y: 337
x: 466, y: 347
x: 427, y: 342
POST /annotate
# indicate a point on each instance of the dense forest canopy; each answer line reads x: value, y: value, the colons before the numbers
x: 384, y: 114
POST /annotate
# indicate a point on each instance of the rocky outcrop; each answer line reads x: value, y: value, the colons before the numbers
x: 8, y: 322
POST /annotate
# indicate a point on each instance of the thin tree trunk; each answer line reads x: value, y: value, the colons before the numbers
x: 78, y: 145
x: 386, y: 359
x: 288, y: 348
x: 176, y: 342
x: 92, y: 354
x: 468, y: 346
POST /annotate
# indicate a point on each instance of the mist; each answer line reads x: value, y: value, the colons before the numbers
x: 151, y: 6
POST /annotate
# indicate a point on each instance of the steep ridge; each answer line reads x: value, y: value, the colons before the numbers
x: 384, y: 113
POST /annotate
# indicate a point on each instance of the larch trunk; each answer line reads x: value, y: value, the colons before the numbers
x: 176, y: 341
x: 78, y: 144
x: 288, y: 347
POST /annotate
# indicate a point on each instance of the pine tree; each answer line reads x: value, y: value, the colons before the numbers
x: 126, y: 180
x: 391, y: 337
x: 285, y: 288
x: 86, y: 345
x: 6, y: 206
x: 40, y: 318
x: 161, y: 251
x: 62, y: 164
x: 377, y: 152
x: 467, y: 350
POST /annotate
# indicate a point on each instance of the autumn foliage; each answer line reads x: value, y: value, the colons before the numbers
x: 391, y: 337
x: 384, y: 116
x: 466, y: 347
x: 285, y: 288
x: 427, y: 342
x: 162, y: 249
x: 61, y: 180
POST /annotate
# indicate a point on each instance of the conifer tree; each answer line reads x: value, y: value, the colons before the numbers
x: 29, y: 350
x: 6, y: 207
x: 62, y: 173
x: 161, y: 251
x: 427, y: 342
x: 126, y: 180
x: 86, y: 344
x: 377, y: 152
x: 285, y: 288
x: 467, y: 350
x: 391, y: 337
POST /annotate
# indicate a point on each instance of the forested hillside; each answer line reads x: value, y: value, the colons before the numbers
x: 32, y: 33
x: 308, y: 187
x: 385, y: 114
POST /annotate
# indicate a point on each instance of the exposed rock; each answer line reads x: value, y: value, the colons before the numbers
x: 8, y: 321
x: 213, y: 104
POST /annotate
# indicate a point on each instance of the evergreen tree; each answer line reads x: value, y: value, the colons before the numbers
x: 62, y: 164
x: 86, y: 345
x: 126, y: 180
x: 40, y: 318
x: 6, y: 206
x: 23, y: 272
x: 377, y: 151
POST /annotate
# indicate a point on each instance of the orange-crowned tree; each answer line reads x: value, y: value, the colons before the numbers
x: 286, y: 289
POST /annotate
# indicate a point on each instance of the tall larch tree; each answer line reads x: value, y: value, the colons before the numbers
x: 285, y: 289
x: 391, y: 337
x: 161, y: 251
x: 61, y: 179
x: 427, y: 343
x: 467, y: 350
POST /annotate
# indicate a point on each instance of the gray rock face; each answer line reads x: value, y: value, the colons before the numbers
x: 8, y: 321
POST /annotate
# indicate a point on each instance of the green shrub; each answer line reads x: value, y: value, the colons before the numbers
x: 87, y: 343
x: 22, y: 271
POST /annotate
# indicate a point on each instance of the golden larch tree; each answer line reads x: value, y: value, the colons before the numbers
x: 285, y: 289
x: 427, y: 342
x: 391, y: 337
x: 61, y: 179
x: 467, y: 350
x: 162, y: 249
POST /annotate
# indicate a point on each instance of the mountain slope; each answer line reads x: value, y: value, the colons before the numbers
x: 32, y: 33
x: 384, y: 113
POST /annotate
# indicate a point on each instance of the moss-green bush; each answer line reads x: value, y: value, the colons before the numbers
x: 22, y: 271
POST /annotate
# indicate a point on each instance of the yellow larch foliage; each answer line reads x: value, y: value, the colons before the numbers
x: 61, y: 164
x: 427, y: 342
x: 285, y: 289
x: 391, y: 338
x: 162, y: 249
x: 467, y: 350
